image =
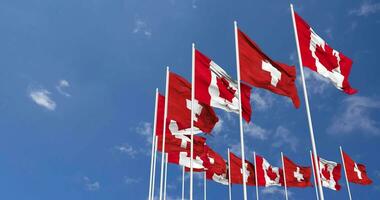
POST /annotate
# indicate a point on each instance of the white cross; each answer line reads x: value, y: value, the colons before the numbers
x: 197, y: 108
x: 358, y: 172
x: 274, y: 72
x: 298, y: 175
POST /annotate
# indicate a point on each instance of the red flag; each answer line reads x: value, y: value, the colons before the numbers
x: 330, y: 173
x: 160, y: 114
x: 321, y: 58
x: 177, y: 143
x: 356, y: 173
x: 179, y: 108
x: 237, y: 171
x: 214, y: 87
x: 259, y: 70
x: 296, y: 176
x: 183, y: 159
x: 267, y: 175
x: 216, y: 167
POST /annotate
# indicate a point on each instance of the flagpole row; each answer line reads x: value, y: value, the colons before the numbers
x: 285, y: 184
x: 192, y: 119
x: 166, y: 174
x: 153, y: 146
x: 240, y: 111
x: 257, y: 183
x: 229, y: 175
x: 164, y: 132
x: 204, y: 186
x: 314, y: 148
x: 345, y: 172
x: 315, y: 180
x: 154, y: 166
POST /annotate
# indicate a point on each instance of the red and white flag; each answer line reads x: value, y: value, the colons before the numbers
x: 330, y: 174
x: 214, y: 87
x: 356, y: 173
x: 216, y: 167
x: 184, y: 159
x: 267, y: 175
x: 237, y: 171
x: 177, y: 143
x: 296, y: 176
x: 179, y: 109
x: 160, y: 114
x: 321, y: 58
x: 259, y: 70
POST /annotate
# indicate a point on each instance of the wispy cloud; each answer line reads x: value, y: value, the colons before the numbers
x: 194, y: 4
x: 142, y: 28
x: 255, y: 131
x: 42, y: 98
x: 145, y: 129
x: 275, y: 191
x: 62, y: 85
x: 130, y: 180
x: 366, y: 8
x: 262, y: 100
x: 316, y: 84
x: 283, y: 137
x: 218, y: 127
x: 355, y: 115
x: 91, y: 185
x: 127, y: 149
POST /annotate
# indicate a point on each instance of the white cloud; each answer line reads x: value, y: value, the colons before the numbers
x: 255, y: 131
x: 194, y: 4
x: 283, y: 137
x: 315, y: 83
x: 129, y: 180
x: 275, y: 191
x: 366, y: 8
x: 145, y: 129
x: 62, y: 84
x: 262, y: 100
x: 142, y: 27
x: 41, y: 97
x: 355, y: 115
x: 91, y: 185
x: 127, y: 149
x: 218, y: 127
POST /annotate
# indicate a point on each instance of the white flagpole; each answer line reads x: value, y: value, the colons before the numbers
x: 240, y: 111
x: 154, y: 166
x: 315, y: 179
x: 345, y: 172
x: 204, y: 186
x: 164, y: 132
x: 166, y: 174
x: 257, y: 183
x: 283, y: 168
x: 192, y: 119
x: 183, y: 182
x: 153, y: 146
x: 229, y: 175
x: 307, y: 107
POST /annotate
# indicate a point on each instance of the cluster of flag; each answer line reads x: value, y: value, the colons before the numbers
x: 187, y: 109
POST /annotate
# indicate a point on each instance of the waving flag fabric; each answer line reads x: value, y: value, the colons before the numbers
x: 356, y: 173
x: 160, y: 114
x: 259, y: 70
x: 179, y: 108
x: 177, y: 143
x: 237, y: 171
x: 216, y: 167
x: 296, y: 176
x: 267, y: 175
x: 214, y: 87
x: 330, y: 174
x: 320, y: 57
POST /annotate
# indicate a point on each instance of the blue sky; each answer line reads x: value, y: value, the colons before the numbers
x: 78, y: 78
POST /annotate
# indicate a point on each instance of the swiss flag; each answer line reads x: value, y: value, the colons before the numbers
x: 356, y: 173
x: 321, y: 58
x: 296, y: 176
x: 184, y: 159
x: 330, y: 173
x: 267, y: 175
x: 179, y: 108
x: 235, y: 166
x: 177, y: 143
x: 214, y: 87
x: 259, y: 70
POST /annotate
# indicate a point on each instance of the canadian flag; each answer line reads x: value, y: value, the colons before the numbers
x: 235, y: 166
x: 179, y: 109
x: 296, y: 176
x: 267, y: 175
x: 257, y: 69
x: 356, y: 173
x: 330, y: 174
x: 321, y: 58
x: 216, y: 167
x: 214, y: 87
